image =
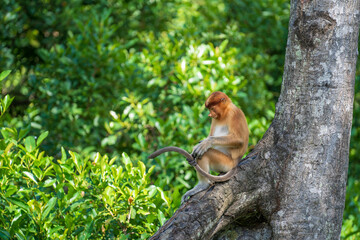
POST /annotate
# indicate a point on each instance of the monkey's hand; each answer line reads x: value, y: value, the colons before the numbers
x: 202, y: 147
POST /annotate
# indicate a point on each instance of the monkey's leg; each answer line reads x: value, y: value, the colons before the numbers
x: 203, y: 184
x: 219, y: 161
x: 212, y: 159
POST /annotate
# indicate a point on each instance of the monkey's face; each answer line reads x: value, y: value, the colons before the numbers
x: 215, y: 112
x: 217, y: 104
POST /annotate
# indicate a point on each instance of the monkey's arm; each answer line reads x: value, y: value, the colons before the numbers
x: 226, y: 141
x: 238, y: 133
x: 230, y: 141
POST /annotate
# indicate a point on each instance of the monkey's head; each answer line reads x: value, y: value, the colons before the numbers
x: 217, y: 103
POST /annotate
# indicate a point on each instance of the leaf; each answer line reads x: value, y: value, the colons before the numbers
x: 142, y: 168
x: 163, y: 196
x: 77, y: 160
x: 8, y: 147
x: 223, y: 45
x: 5, y: 133
x: 30, y: 144
x: 41, y: 138
x: 186, y: 184
x: 47, y: 171
x: 208, y: 62
x: 56, y: 229
x: 141, y: 140
x: 20, y: 235
x: 4, y: 74
x: 67, y: 169
x: 122, y: 218
x: 97, y: 158
x: 37, y: 172
x: 150, y: 170
x: 15, y: 221
x: 111, y: 162
x: 57, y: 169
x: 133, y: 212
x: 108, y: 195
x: 31, y: 176
x: 11, y: 190
x: 9, y: 133
x: 19, y: 203
x: 49, y: 182
x: 126, y: 159
x: 23, y: 132
x: 6, y: 102
x: 42, y: 160
x: 63, y: 155
x: 4, y: 234
x: 88, y: 230
x: 75, y: 197
x: 48, y: 207
x: 161, y: 217
x: 69, y: 220
x: 152, y: 191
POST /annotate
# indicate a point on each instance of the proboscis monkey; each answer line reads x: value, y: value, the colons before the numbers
x: 222, y: 149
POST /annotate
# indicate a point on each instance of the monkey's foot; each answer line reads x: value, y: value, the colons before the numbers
x: 198, y: 188
x: 191, y: 161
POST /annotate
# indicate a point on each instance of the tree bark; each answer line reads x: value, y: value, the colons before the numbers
x: 292, y: 185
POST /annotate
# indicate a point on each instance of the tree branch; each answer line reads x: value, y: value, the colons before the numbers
x: 222, y: 204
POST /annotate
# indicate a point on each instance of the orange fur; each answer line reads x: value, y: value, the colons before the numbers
x: 228, y: 138
x: 222, y: 149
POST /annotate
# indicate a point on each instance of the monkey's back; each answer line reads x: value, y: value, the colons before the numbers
x: 241, y: 131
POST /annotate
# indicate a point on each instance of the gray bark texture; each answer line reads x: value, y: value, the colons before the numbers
x: 292, y: 185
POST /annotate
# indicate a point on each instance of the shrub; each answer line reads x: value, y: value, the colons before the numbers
x: 73, y: 197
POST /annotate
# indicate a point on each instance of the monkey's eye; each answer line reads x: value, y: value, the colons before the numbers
x: 212, y: 109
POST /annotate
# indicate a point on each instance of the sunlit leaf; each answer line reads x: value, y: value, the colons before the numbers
x: 7, y: 101
x: 142, y: 168
x: 161, y: 217
x: 31, y: 176
x: 126, y: 159
x: 152, y: 191
x: 49, y: 182
x: 11, y: 190
x: 162, y: 194
x: 30, y: 144
x: 223, y: 45
x: 37, y: 172
x: 4, y: 74
x: 63, y: 155
x: 41, y: 138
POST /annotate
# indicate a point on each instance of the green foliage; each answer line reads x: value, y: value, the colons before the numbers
x: 99, y: 73
x: 351, y: 224
x: 148, y: 91
x: 6, y: 101
x: 74, y: 197
x: 131, y: 76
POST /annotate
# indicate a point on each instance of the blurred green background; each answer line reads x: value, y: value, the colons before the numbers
x: 99, y: 85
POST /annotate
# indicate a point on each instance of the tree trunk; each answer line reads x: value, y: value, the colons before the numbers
x: 292, y: 185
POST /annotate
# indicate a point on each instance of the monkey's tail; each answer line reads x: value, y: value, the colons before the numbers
x: 193, y: 163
